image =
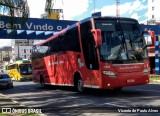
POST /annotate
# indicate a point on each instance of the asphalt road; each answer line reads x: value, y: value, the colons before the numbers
x: 65, y: 99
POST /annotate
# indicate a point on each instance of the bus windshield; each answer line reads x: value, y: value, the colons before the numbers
x: 122, y: 40
x: 25, y: 69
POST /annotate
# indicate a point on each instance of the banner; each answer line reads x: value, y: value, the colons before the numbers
x: 34, y: 24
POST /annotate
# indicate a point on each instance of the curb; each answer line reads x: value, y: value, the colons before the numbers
x: 154, y: 81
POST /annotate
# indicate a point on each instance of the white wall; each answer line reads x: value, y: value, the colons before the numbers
x: 24, y: 52
x: 156, y: 11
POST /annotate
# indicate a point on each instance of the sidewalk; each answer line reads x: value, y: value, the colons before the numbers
x: 154, y: 81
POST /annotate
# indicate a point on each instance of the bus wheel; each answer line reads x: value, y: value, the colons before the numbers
x: 79, y: 85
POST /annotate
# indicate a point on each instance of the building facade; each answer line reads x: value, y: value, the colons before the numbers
x: 5, y: 55
x: 153, y: 12
x: 21, y: 49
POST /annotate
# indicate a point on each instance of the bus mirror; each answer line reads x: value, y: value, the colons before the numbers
x: 97, y: 36
x: 148, y: 39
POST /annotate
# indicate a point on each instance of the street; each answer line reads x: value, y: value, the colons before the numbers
x: 80, y: 43
x: 32, y: 95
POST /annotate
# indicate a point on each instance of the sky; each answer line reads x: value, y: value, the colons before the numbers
x: 80, y: 9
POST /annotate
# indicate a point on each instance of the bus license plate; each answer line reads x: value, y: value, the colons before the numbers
x: 130, y: 81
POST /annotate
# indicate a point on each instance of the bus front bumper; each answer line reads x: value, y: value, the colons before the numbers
x: 124, y: 80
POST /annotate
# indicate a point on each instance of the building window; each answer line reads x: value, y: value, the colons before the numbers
x: 24, y: 50
x: 152, y: 16
x: 152, y: 0
x: 152, y: 8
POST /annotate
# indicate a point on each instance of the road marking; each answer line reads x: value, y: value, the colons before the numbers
x: 15, y: 101
x: 82, y: 104
x: 148, y: 90
x: 32, y: 89
x: 114, y: 105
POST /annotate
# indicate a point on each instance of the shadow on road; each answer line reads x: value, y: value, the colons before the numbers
x: 65, y: 99
x: 27, y: 87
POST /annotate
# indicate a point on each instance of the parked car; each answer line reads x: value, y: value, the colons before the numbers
x: 5, y: 81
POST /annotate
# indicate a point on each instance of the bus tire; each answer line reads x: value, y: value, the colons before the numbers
x: 79, y: 85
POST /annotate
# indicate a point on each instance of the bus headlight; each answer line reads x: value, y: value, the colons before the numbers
x: 146, y: 70
x: 109, y: 73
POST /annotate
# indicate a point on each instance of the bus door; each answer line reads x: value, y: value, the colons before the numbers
x: 90, y: 75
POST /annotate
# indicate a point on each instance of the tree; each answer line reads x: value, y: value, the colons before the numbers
x: 14, y: 8
x: 19, y: 8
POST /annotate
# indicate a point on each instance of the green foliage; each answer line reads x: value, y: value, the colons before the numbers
x: 14, y: 8
x: 154, y: 77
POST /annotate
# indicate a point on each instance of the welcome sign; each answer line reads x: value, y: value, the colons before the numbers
x: 34, y: 24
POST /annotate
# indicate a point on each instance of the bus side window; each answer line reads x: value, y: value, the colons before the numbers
x: 68, y: 41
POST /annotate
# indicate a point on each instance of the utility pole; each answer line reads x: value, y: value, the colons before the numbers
x: 117, y: 8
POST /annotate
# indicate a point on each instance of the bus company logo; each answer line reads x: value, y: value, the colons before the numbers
x: 129, y: 67
x: 54, y: 63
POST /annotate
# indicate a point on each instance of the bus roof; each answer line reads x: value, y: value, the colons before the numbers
x: 19, y: 62
x: 57, y: 34
x: 23, y: 61
x: 82, y: 21
x: 104, y: 17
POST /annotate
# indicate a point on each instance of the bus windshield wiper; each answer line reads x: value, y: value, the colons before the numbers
x: 123, y: 44
x: 120, y: 51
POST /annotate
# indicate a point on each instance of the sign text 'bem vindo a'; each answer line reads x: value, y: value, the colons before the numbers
x: 35, y: 24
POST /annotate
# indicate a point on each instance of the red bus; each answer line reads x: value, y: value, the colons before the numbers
x: 98, y: 52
